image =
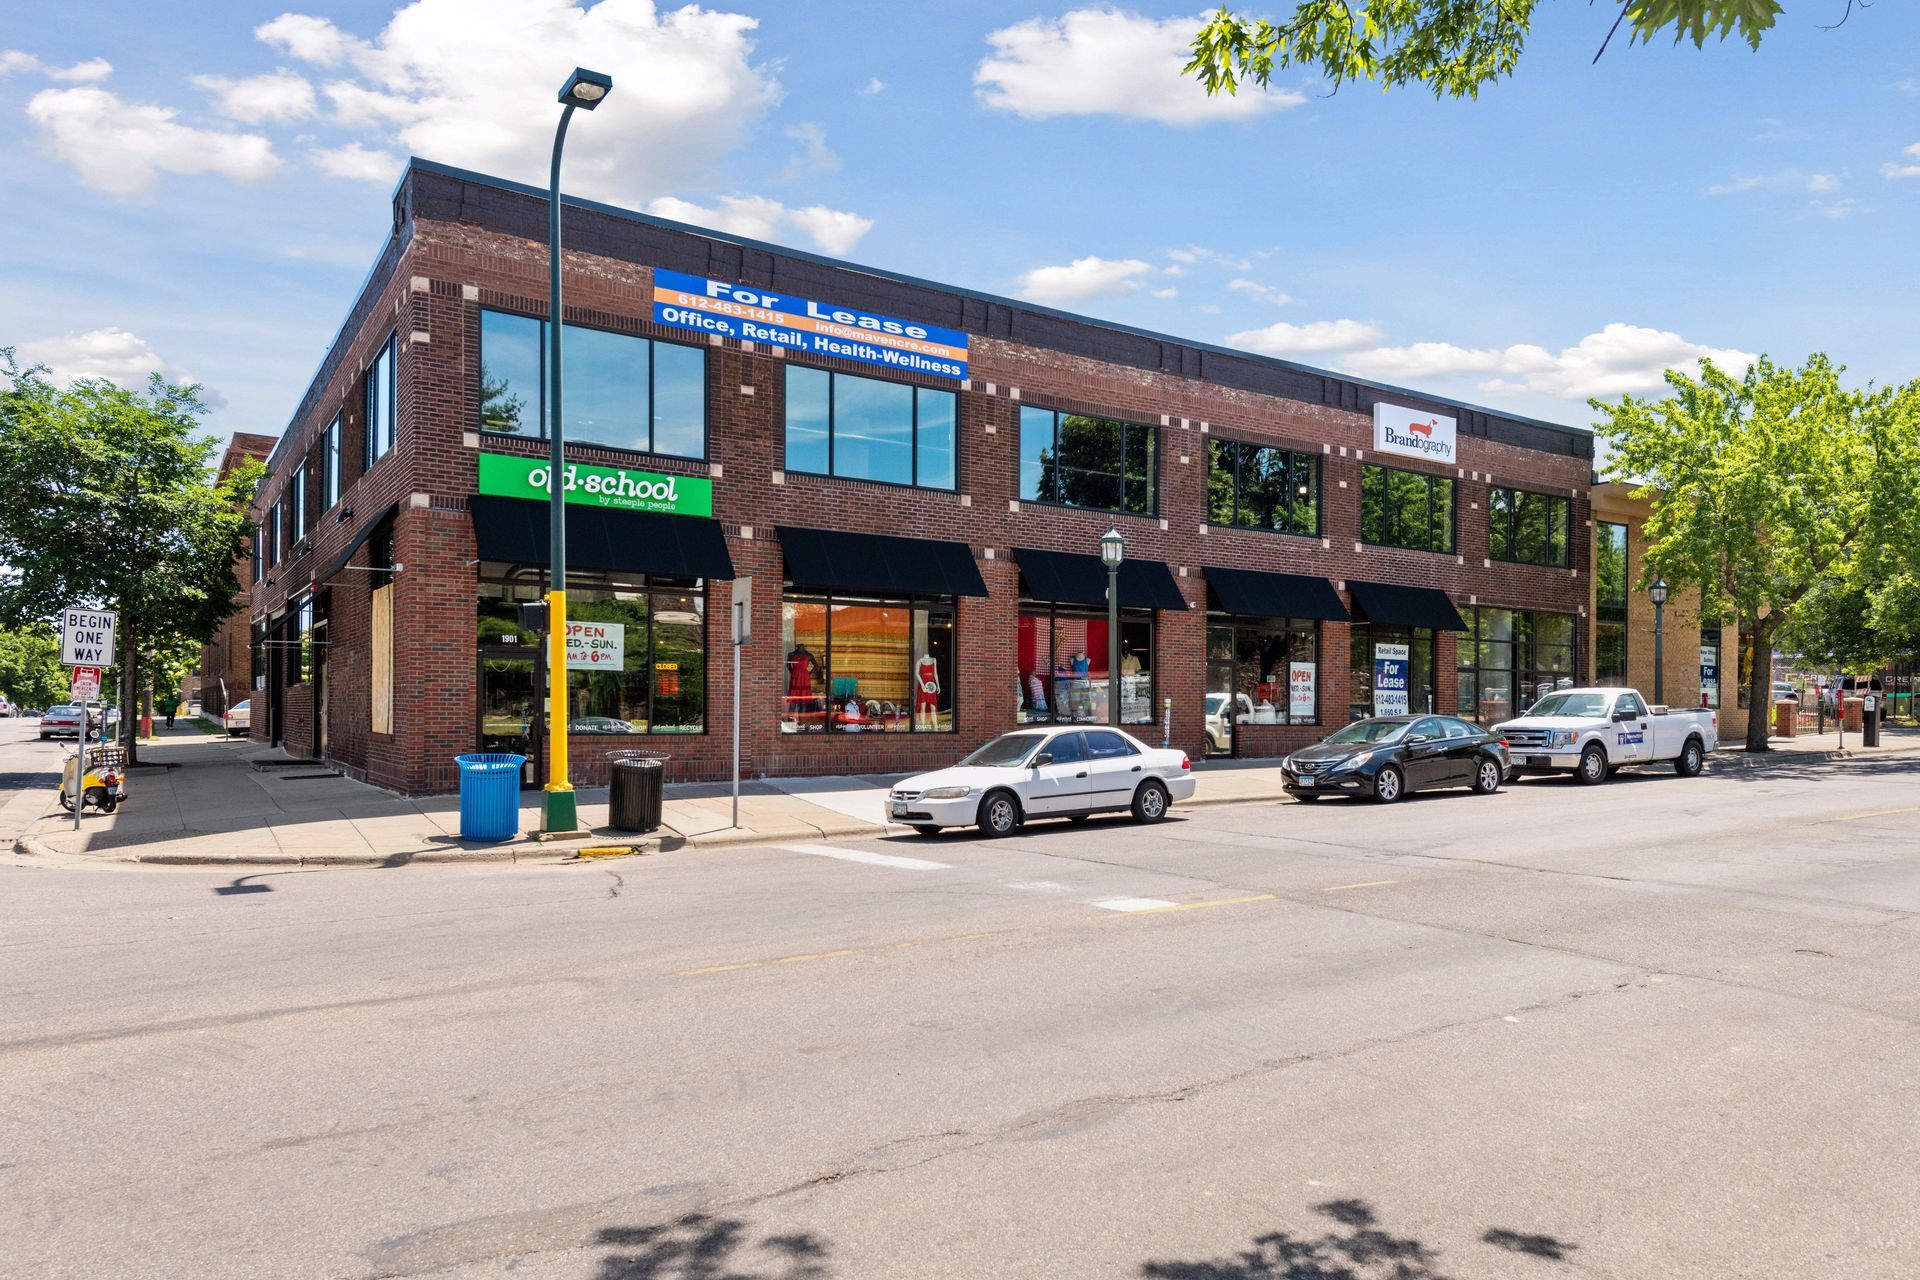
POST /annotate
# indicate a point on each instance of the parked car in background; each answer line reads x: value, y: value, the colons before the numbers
x: 1387, y: 757
x: 1045, y: 773
x: 63, y: 721
x: 1590, y: 733
x: 8, y: 709
x: 599, y: 724
x: 239, y: 718
x: 1221, y: 718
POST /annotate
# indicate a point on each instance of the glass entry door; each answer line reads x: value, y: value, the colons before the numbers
x: 510, y: 718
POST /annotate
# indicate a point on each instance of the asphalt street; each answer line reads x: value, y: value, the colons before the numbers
x: 1659, y: 1028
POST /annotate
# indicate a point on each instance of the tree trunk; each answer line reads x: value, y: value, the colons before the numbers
x: 1760, y: 689
x: 129, y: 719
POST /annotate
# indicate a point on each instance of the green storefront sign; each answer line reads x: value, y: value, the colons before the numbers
x: 502, y: 475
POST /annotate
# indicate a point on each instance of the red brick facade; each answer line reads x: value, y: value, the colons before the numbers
x: 226, y: 661
x: 463, y: 243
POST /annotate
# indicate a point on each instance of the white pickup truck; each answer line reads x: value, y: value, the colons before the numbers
x: 1591, y: 732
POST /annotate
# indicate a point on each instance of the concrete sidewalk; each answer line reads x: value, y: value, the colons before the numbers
x: 199, y: 799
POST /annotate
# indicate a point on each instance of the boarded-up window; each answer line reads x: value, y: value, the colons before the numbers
x: 383, y: 659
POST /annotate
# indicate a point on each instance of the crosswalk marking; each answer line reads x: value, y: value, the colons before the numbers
x: 871, y: 859
x: 1135, y: 904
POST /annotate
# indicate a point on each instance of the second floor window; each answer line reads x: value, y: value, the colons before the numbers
x: 866, y: 429
x: 297, y: 505
x: 330, y: 464
x: 380, y: 415
x: 1259, y: 487
x: 273, y: 531
x: 1530, y: 528
x: 1082, y: 461
x: 259, y: 551
x: 620, y: 390
x: 1406, y: 509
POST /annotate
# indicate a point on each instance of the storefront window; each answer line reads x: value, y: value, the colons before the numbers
x: 621, y: 390
x: 651, y: 633
x: 866, y: 665
x: 1061, y: 656
x: 1710, y: 663
x: 1610, y: 603
x: 1390, y: 671
x: 1260, y: 487
x: 1531, y: 528
x: 1082, y: 461
x: 1260, y: 671
x: 867, y: 429
x: 1406, y: 509
x: 1511, y: 660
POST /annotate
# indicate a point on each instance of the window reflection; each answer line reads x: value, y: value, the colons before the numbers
x: 868, y: 429
x: 866, y: 666
x: 1085, y: 461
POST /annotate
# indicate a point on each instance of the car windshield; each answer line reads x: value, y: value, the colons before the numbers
x: 62, y: 711
x: 1587, y: 706
x: 1005, y: 752
x: 1370, y: 731
x: 1215, y: 701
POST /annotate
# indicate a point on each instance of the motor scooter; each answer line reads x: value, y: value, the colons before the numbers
x: 104, y: 783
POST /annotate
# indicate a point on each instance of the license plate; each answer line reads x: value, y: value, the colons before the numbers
x: 899, y: 808
x: 1540, y: 760
x: 1305, y: 780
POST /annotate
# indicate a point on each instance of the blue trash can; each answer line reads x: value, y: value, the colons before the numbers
x: 490, y: 795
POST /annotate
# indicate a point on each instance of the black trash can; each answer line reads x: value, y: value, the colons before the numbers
x: 635, y: 785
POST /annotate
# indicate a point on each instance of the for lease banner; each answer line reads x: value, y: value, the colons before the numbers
x: 504, y: 475
x: 801, y: 324
x: 1390, y: 679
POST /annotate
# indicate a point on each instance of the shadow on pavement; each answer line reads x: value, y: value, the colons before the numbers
x: 699, y: 1247
x: 1355, y: 1248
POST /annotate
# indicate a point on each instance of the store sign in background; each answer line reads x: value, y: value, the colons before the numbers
x: 1390, y: 679
x: 505, y: 475
x: 1413, y: 433
x: 596, y: 646
x: 801, y: 324
x: 1300, y: 701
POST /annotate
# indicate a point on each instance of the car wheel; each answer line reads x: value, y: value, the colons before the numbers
x: 1592, y: 769
x: 1150, y: 802
x: 999, y: 814
x: 1692, y: 757
x: 1388, y: 784
x: 926, y: 831
x: 1486, y: 779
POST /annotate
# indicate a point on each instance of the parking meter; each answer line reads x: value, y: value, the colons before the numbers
x: 1870, y: 721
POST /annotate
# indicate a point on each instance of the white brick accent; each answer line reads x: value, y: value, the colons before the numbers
x: 470, y: 293
x: 418, y: 284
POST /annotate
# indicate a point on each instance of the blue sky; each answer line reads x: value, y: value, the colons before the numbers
x: 204, y: 198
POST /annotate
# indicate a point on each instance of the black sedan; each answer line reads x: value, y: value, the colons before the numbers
x: 1388, y: 756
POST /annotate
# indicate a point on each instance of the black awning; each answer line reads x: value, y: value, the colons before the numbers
x: 516, y: 531
x: 1396, y: 606
x: 1065, y: 578
x: 367, y: 530
x: 875, y: 563
x: 1250, y: 594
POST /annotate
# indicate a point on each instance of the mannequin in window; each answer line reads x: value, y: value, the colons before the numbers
x: 926, y: 693
x: 802, y: 668
x: 1082, y: 686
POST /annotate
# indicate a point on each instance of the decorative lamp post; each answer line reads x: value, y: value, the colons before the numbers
x: 584, y: 89
x: 1658, y: 594
x: 1113, y: 549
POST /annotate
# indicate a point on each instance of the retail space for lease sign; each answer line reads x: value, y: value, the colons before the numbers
x: 1390, y: 679
x: 505, y: 475
x: 802, y: 324
x: 1414, y: 433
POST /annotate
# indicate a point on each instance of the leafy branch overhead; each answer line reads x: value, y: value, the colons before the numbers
x: 1453, y: 47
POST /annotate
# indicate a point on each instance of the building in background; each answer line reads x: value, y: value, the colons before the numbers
x: 1622, y: 613
x: 226, y: 661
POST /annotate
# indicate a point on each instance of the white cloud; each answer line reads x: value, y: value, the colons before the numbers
x: 1910, y: 86
x: 1836, y: 209
x: 815, y: 155
x: 1908, y: 168
x: 123, y: 147
x: 835, y: 231
x: 1618, y: 359
x: 362, y: 164
x: 472, y: 83
x: 110, y: 354
x: 1168, y: 292
x: 1085, y: 278
x: 1108, y: 62
x: 1196, y: 256
x: 873, y: 86
x: 1735, y: 186
x: 91, y: 71
x: 279, y: 95
x: 1318, y: 335
x: 1264, y: 292
x: 1823, y: 182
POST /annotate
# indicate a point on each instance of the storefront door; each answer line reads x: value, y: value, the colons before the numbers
x: 510, y: 718
x: 1220, y: 702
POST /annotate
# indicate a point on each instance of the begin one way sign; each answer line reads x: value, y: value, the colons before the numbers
x: 86, y: 637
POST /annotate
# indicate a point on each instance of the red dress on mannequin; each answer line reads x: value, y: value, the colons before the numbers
x: 926, y: 683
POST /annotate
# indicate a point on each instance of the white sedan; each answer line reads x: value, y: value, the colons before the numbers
x: 239, y: 718
x: 1045, y: 773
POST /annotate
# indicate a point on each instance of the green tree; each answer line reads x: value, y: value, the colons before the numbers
x: 1453, y: 47
x: 111, y: 503
x: 30, y: 670
x: 1765, y: 489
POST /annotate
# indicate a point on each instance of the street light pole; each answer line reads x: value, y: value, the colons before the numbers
x: 1113, y: 549
x: 557, y: 808
x: 1658, y: 594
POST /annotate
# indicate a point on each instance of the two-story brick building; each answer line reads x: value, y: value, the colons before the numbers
x: 915, y: 476
x: 226, y: 661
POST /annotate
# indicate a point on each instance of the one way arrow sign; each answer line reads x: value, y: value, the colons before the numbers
x: 86, y: 637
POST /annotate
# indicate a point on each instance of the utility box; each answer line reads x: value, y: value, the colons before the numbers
x: 1786, y: 718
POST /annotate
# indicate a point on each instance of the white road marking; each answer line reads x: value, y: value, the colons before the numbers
x: 1134, y: 904
x: 871, y: 859
x: 1037, y: 886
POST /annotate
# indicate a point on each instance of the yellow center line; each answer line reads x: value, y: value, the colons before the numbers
x: 1196, y: 906
x: 1877, y: 813
x: 1364, y: 884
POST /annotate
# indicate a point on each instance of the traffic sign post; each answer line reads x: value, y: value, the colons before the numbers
x: 742, y: 634
x: 86, y: 637
x: 86, y: 684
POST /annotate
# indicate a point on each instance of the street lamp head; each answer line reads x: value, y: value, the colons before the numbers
x: 1658, y: 591
x: 1113, y: 548
x: 585, y: 88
